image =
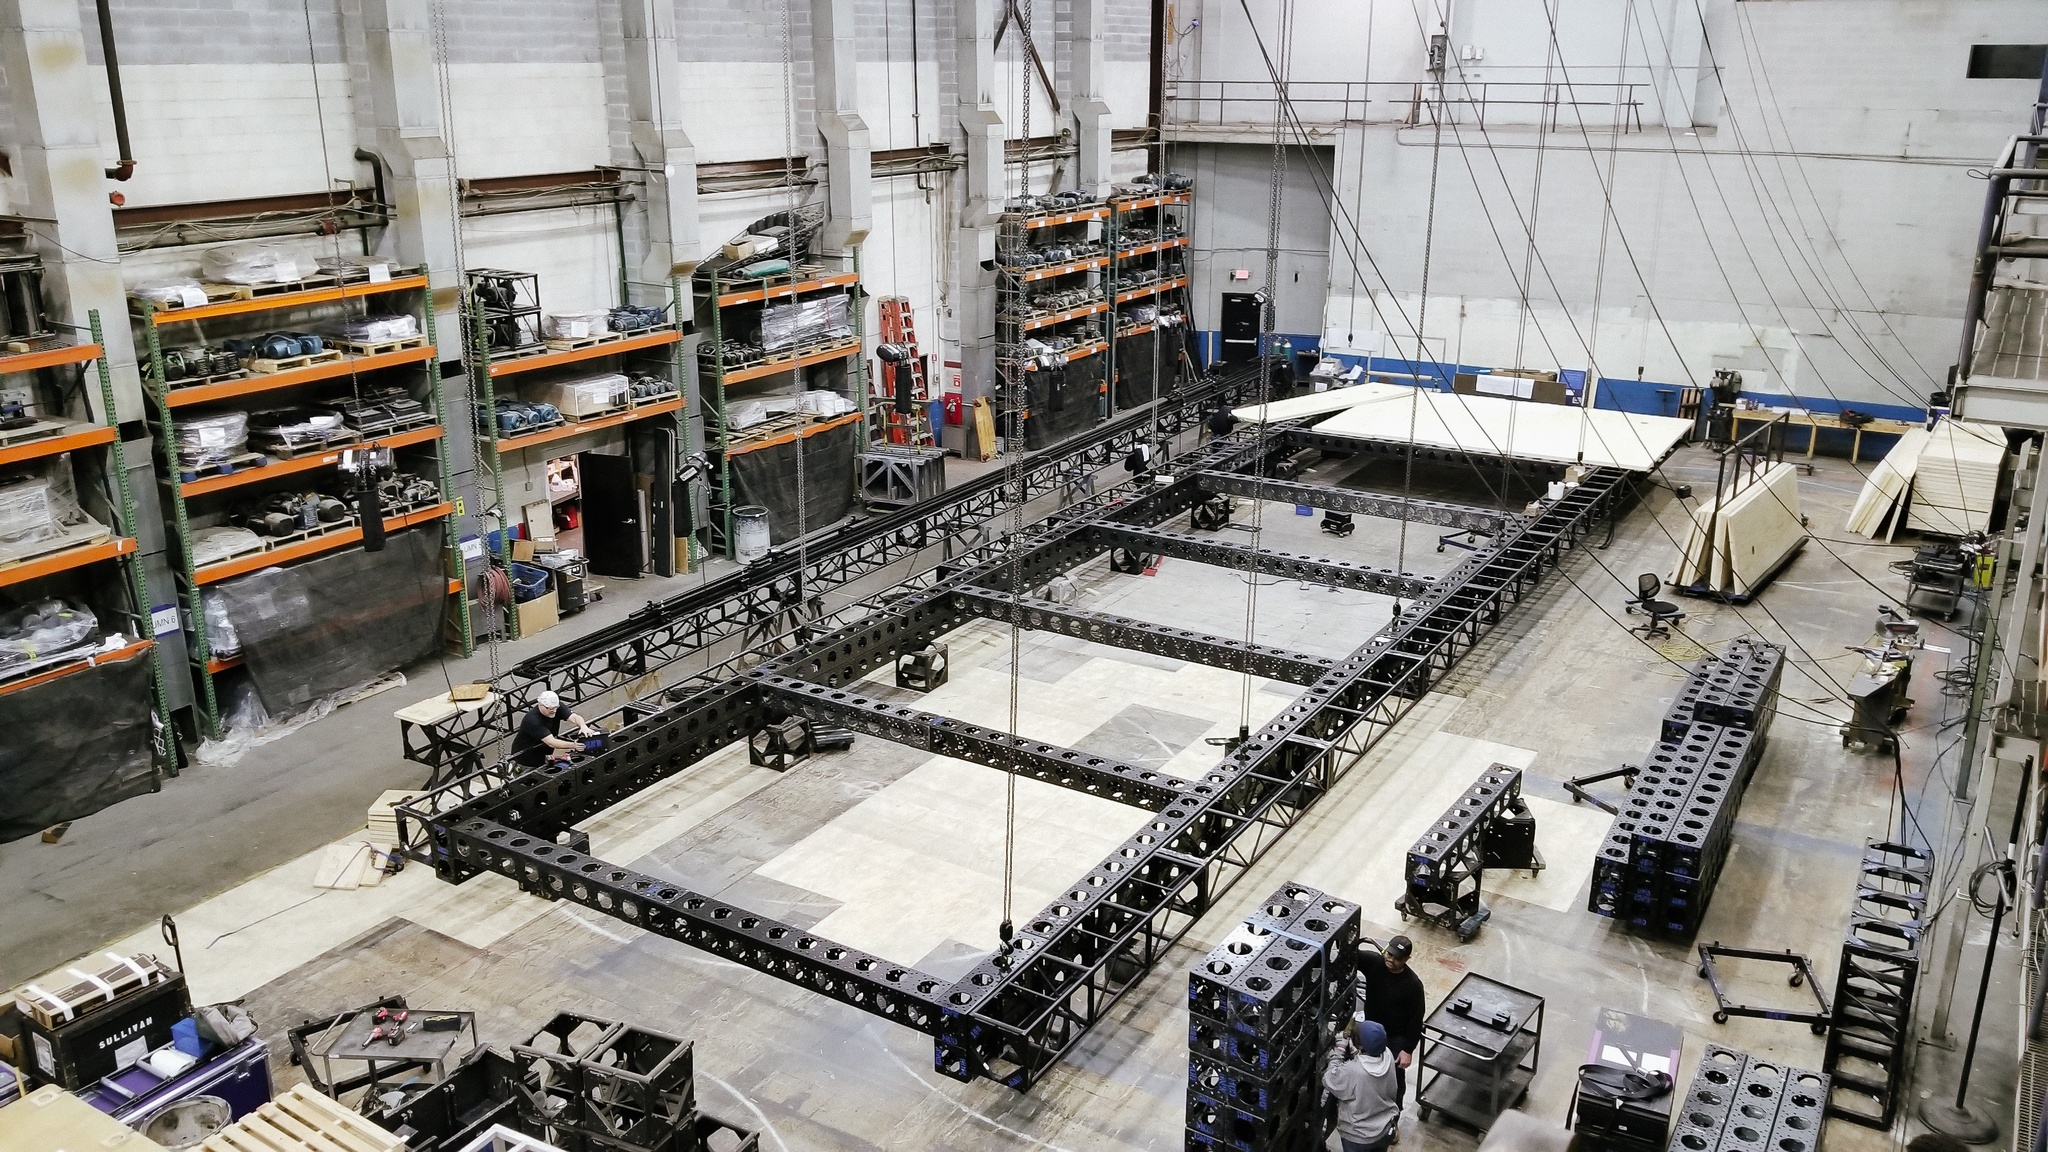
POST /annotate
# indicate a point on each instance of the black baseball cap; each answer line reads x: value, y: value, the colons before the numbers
x: 1400, y: 947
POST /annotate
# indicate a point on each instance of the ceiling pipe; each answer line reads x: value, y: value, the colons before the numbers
x: 126, y: 167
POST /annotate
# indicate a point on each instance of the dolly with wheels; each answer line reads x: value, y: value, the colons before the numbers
x: 1802, y: 973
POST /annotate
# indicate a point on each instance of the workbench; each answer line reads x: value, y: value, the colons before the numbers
x: 1814, y: 422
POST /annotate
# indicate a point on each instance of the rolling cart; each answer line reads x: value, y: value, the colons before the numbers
x: 1479, y: 1051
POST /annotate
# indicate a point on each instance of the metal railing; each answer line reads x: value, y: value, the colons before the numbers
x: 1230, y: 103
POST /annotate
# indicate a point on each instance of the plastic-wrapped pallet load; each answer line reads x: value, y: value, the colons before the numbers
x: 579, y: 396
x: 247, y: 264
x: 381, y: 329
x: 291, y: 429
x: 39, y: 512
x: 576, y: 325
x: 45, y: 633
x: 801, y: 323
x: 204, y: 441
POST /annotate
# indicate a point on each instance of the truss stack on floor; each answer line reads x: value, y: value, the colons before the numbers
x: 1260, y: 1008
x: 1657, y: 867
x: 1741, y: 1103
x: 1873, y: 1017
x: 1489, y: 826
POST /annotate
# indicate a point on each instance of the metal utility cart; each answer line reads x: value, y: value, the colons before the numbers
x: 1479, y: 1051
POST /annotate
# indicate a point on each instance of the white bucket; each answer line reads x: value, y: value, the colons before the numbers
x: 749, y: 533
x: 1556, y: 490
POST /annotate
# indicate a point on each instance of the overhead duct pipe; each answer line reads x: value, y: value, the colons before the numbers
x: 126, y: 167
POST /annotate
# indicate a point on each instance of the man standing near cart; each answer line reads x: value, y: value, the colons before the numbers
x: 1390, y: 995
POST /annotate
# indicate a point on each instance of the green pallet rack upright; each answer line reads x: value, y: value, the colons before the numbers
x: 120, y: 548
x: 725, y: 306
x: 1052, y: 290
x: 487, y: 369
x: 389, y: 364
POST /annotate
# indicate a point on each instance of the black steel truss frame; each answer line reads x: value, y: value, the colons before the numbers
x: 764, y: 600
x: 1264, y: 561
x: 1014, y: 1016
x: 1482, y: 520
x: 1135, y: 635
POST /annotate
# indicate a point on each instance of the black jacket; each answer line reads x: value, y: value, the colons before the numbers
x: 1392, y: 1001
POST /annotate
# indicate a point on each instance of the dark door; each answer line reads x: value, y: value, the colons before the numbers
x: 612, y: 535
x: 653, y: 448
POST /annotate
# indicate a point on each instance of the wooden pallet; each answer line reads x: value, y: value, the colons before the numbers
x: 587, y: 417
x: 261, y: 545
x: 578, y: 343
x: 500, y: 355
x: 268, y: 367
x: 40, y: 430
x: 343, y: 438
x: 227, y: 467
x: 530, y: 429
x: 394, y: 427
x: 196, y: 381
x: 272, y: 543
x: 302, y: 1120
x: 657, y: 398
x: 215, y: 294
x: 82, y: 537
x: 377, y: 348
x: 257, y: 291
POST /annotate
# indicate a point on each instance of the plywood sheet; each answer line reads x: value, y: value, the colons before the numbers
x: 1491, y: 427
x: 1321, y: 403
x: 1887, y: 485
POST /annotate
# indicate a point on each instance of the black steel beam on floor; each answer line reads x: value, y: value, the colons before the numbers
x: 1144, y: 636
x: 1077, y: 771
x: 1265, y: 561
x: 1442, y: 515
x: 766, y: 596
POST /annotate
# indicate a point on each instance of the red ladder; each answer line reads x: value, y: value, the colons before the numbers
x: 899, y: 327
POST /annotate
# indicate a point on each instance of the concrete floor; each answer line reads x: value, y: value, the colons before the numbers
x: 897, y: 852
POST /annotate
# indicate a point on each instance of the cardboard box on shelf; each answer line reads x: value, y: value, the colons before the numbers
x: 538, y: 614
x: 522, y: 550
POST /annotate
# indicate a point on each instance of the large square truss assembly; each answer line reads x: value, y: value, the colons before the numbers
x: 1011, y: 1018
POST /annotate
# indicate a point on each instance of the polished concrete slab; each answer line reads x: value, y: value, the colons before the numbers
x: 900, y: 850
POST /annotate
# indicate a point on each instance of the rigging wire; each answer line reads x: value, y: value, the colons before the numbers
x: 1013, y: 445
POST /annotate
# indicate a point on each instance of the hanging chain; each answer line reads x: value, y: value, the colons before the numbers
x: 1014, y: 445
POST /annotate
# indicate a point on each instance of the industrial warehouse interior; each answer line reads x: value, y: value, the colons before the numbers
x: 1232, y: 575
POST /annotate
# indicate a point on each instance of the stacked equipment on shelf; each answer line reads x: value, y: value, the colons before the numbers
x: 1657, y: 866
x: 1261, y: 1007
x: 1740, y: 1103
x: 1489, y: 826
x: 1873, y: 1017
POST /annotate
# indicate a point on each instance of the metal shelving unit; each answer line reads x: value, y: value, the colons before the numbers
x: 86, y: 436
x: 171, y: 403
x: 1479, y: 1051
x: 1148, y: 239
x: 487, y: 370
x: 1063, y: 302
x: 716, y: 301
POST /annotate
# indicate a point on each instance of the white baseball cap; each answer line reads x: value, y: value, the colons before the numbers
x: 548, y: 699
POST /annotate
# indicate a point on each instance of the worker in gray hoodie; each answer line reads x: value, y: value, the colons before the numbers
x: 1360, y: 1077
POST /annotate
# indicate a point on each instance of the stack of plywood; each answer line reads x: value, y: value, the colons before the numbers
x: 1956, y: 479
x: 1740, y: 540
x: 302, y: 1120
x: 53, y: 1120
x: 1490, y: 427
x: 1885, y: 494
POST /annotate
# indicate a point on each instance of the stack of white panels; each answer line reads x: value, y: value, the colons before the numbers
x: 1956, y: 479
x: 1885, y: 493
x: 1491, y: 427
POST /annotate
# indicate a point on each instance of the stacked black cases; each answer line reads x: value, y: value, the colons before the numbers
x: 1261, y: 1008
x: 1657, y: 867
x: 1739, y: 1103
x: 1873, y: 1017
x: 592, y: 1085
x: 1488, y: 826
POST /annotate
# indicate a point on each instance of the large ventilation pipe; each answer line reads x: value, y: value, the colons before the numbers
x: 126, y: 167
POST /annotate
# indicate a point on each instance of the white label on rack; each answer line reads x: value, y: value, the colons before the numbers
x: 163, y: 620
x: 45, y: 1058
x: 380, y: 273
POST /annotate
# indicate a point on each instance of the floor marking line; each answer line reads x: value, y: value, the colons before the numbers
x: 993, y: 1123
x: 749, y: 1106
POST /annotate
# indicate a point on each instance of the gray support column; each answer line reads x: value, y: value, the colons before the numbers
x: 654, y: 102
x: 410, y: 140
x: 848, y: 154
x: 1091, y: 112
x: 412, y: 144
x: 61, y: 166
x: 974, y: 240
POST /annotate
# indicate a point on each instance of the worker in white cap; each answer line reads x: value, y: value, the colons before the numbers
x: 540, y: 733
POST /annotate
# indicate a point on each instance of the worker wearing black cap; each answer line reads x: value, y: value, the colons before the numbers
x: 1390, y: 995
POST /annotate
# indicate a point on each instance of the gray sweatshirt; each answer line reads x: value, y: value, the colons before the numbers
x: 1363, y: 1086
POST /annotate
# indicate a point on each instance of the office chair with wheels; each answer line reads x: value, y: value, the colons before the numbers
x: 1662, y: 613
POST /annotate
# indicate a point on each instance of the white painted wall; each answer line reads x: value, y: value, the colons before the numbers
x: 521, y: 119
x: 1812, y: 230
x: 214, y: 132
